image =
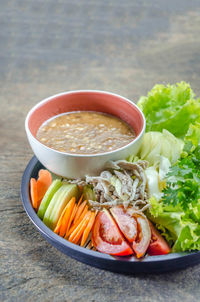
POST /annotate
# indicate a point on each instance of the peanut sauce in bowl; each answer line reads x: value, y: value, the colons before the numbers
x: 85, y: 132
x: 76, y: 133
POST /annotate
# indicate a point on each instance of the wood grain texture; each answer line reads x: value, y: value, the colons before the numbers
x: 51, y: 46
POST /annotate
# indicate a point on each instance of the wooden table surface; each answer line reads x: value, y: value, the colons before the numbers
x: 51, y: 46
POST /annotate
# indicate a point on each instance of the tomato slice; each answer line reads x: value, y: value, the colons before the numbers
x: 158, y: 245
x: 140, y: 245
x: 107, y: 238
x: 126, y: 223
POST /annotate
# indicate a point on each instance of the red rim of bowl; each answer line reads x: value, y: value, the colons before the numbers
x: 84, y: 91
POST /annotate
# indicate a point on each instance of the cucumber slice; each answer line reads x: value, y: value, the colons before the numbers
x: 56, y: 184
x: 59, y: 194
x: 58, y: 203
x: 88, y: 193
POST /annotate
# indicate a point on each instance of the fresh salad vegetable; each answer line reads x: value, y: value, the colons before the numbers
x: 39, y: 187
x: 135, y: 227
x: 157, y: 246
x: 140, y: 245
x: 156, y: 144
x: 63, y: 221
x: 58, y: 203
x: 177, y: 214
x: 43, y: 182
x: 56, y: 184
x: 33, y: 192
x: 76, y: 235
x: 107, y: 238
x: 182, y: 188
x: 126, y: 222
x: 88, y: 228
x: 170, y: 107
x: 193, y: 134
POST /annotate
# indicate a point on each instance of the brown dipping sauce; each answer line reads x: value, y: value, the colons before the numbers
x: 85, y: 132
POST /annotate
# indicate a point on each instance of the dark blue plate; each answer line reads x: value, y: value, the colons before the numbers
x: 131, y: 265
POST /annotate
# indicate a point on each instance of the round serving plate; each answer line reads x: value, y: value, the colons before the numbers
x: 130, y: 265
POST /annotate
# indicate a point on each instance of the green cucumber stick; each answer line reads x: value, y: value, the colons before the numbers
x: 88, y: 193
x: 59, y: 194
x: 56, y: 184
x: 70, y: 190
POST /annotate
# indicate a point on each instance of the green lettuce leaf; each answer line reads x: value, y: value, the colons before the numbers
x: 181, y: 229
x: 193, y: 134
x: 177, y: 214
x: 171, y: 107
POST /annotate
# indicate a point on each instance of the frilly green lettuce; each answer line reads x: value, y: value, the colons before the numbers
x: 181, y: 228
x: 170, y: 107
x: 193, y: 134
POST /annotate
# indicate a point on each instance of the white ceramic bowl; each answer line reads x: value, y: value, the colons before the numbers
x: 78, y: 165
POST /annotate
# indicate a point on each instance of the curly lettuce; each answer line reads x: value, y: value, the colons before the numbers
x: 178, y: 227
x: 177, y: 214
x: 193, y: 134
x: 171, y: 107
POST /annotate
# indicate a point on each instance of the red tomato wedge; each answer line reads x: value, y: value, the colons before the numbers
x: 158, y: 245
x: 107, y: 238
x: 126, y: 223
x: 140, y: 245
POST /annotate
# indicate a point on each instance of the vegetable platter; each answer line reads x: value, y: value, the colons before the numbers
x: 141, y: 214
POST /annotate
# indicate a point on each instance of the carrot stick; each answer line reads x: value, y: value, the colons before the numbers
x: 76, y: 206
x: 88, y: 228
x: 82, y: 229
x: 73, y: 234
x: 80, y: 210
x: 58, y: 226
x: 78, y: 221
x: 76, y: 235
x: 72, y: 217
x: 43, y: 182
x: 46, y: 175
x: 66, y: 216
x: 59, y: 223
x: 80, y: 200
x: 82, y: 215
x: 34, y: 193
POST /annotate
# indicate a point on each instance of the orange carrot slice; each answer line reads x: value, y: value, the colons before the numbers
x: 73, y: 234
x: 80, y: 200
x: 43, y: 182
x: 57, y: 228
x: 66, y: 217
x: 76, y: 206
x: 80, y: 210
x: 88, y: 228
x: 34, y: 193
x: 76, y: 235
x: 59, y: 223
x: 84, y: 212
x: 72, y: 217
